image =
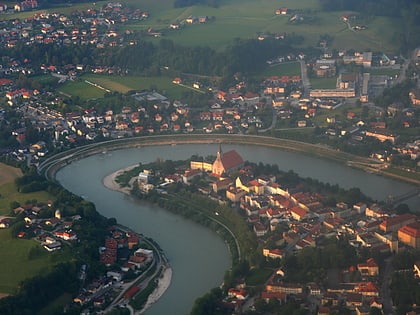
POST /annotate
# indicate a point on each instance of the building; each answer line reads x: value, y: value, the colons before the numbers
x: 410, y: 235
x: 414, y: 96
x: 382, y: 135
x: 226, y: 162
x: 325, y: 68
x: 370, y: 268
x: 333, y: 93
x: 392, y: 224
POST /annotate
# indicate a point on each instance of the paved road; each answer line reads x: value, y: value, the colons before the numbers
x: 385, y: 289
x: 305, y: 80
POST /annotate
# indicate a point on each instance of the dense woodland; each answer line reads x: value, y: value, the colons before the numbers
x: 245, y: 56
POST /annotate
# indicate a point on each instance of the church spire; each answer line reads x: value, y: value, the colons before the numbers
x: 219, y: 152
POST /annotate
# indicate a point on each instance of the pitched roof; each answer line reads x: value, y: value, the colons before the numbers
x: 231, y: 159
x: 412, y: 229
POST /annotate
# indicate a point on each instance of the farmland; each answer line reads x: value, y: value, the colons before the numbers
x: 245, y: 19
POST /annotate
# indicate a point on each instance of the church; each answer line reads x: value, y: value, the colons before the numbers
x: 226, y: 162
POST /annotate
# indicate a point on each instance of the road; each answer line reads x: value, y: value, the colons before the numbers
x: 385, y: 290
x: 305, y: 80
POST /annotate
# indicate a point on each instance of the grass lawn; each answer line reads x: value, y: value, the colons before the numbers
x: 384, y: 71
x: 120, y: 84
x: 16, y: 266
x: 340, y: 114
x: 288, y: 68
x: 82, y: 89
x: 9, y: 193
x: 323, y: 83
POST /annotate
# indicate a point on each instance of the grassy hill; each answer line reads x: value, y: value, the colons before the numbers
x: 248, y: 18
x: 19, y: 264
x: 245, y: 19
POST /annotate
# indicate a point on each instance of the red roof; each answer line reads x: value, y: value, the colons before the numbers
x: 5, y: 81
x: 231, y: 159
x: 412, y: 229
x: 398, y: 220
x: 131, y: 292
x: 299, y: 211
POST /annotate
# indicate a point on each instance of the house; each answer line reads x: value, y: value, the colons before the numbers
x: 273, y: 253
x: 298, y: 213
x: 226, y: 162
x: 235, y: 194
x: 190, y: 174
x: 4, y: 223
x: 239, y: 294
x: 222, y: 184
x: 370, y: 268
x: 414, y: 96
x: 260, y: 229
x: 177, y: 80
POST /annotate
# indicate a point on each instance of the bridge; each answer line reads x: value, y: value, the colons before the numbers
x: 392, y: 200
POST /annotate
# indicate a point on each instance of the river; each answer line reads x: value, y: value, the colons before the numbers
x: 198, y: 256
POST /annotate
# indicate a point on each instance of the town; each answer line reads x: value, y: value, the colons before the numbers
x: 361, y: 102
x: 287, y: 219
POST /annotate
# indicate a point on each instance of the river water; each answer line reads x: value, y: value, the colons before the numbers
x: 199, y: 258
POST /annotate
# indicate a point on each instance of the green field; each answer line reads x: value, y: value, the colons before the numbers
x: 340, y: 114
x: 16, y: 266
x: 120, y: 84
x: 247, y: 18
x: 384, y: 71
x: 9, y: 194
x: 288, y: 68
x: 323, y: 83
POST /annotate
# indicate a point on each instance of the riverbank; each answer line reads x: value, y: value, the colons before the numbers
x: 164, y: 281
x: 163, y: 284
x: 110, y: 182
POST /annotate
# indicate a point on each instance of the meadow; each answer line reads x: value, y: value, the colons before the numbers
x: 18, y: 263
x: 287, y: 68
x: 323, y: 83
x: 245, y: 19
x: 248, y: 18
x: 119, y: 84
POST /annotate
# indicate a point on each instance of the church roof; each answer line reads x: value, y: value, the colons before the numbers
x: 231, y: 159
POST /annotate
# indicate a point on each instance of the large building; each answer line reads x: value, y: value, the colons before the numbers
x: 226, y: 162
x: 410, y: 235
